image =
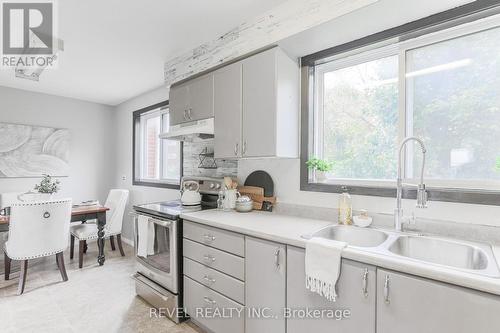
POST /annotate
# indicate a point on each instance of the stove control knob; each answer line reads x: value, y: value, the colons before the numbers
x: 217, y: 186
x: 212, y: 185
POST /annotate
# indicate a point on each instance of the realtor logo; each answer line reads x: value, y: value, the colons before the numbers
x: 27, y: 28
x: 29, y: 43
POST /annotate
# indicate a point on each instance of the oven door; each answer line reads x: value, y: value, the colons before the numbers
x: 156, y: 250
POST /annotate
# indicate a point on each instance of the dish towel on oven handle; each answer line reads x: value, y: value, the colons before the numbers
x: 146, y: 233
x: 323, y: 260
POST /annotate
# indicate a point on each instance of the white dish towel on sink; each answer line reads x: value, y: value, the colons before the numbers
x: 323, y: 261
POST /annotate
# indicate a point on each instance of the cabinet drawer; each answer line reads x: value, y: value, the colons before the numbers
x: 200, y: 300
x: 216, y: 259
x: 222, y: 283
x: 218, y: 238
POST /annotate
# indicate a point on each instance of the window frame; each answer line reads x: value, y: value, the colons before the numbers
x: 457, y: 22
x: 136, y: 178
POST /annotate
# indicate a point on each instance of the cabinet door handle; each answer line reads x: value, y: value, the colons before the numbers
x: 365, y: 283
x: 244, y: 150
x: 209, y: 300
x: 209, y: 258
x: 277, y: 258
x: 386, y: 290
x: 208, y: 279
x: 236, y: 149
x: 208, y: 238
x: 189, y: 114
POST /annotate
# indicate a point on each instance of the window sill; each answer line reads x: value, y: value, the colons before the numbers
x: 156, y: 184
x: 458, y: 195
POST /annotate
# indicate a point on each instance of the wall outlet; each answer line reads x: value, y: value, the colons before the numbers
x: 124, y: 177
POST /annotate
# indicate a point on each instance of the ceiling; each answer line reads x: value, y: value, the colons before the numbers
x: 115, y: 49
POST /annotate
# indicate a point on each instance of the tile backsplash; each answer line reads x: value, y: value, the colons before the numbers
x: 192, y: 152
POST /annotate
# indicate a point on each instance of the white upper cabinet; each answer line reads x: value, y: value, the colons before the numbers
x: 256, y: 107
x: 178, y: 103
x: 192, y: 100
x: 201, y: 98
x: 259, y: 105
x: 270, y: 121
x: 227, y: 101
x: 255, y: 103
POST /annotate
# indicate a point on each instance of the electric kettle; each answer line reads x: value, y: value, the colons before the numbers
x: 190, y: 194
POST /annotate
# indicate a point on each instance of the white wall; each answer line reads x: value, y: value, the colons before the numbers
x: 123, y: 152
x: 91, y: 152
x: 286, y: 176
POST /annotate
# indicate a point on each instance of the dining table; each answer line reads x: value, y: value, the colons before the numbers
x: 80, y: 214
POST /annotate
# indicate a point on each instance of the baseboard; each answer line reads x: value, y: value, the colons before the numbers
x: 128, y: 241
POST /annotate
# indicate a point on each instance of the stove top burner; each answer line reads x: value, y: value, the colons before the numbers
x: 209, y: 190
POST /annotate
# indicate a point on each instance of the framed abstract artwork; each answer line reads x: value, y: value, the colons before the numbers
x: 31, y: 151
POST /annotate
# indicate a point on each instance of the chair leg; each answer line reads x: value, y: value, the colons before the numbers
x: 112, y: 242
x: 60, y: 264
x: 81, y: 246
x: 72, y: 247
x: 7, y: 262
x: 120, y: 247
x: 22, y: 276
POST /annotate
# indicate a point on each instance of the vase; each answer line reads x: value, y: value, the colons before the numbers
x: 320, y: 176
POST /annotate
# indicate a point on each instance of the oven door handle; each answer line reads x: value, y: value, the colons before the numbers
x: 162, y: 223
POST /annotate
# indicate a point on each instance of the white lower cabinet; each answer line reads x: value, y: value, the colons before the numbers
x: 265, y: 286
x: 354, y: 310
x: 411, y: 304
x: 260, y: 288
x: 212, y: 310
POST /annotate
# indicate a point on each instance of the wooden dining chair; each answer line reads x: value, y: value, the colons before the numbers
x: 37, y: 229
x: 116, y: 202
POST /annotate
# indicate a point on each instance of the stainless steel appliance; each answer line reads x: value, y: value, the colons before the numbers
x: 158, y: 246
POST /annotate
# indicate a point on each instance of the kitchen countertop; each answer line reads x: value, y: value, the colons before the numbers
x: 288, y: 230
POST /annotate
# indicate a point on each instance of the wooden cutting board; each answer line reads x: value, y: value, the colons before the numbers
x: 254, y: 193
x: 257, y: 195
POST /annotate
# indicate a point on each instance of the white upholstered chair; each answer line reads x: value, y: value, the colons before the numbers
x: 9, y: 198
x: 116, y: 202
x: 37, y: 229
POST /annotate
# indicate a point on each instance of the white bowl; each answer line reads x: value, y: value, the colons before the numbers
x: 362, y: 222
x: 244, y: 207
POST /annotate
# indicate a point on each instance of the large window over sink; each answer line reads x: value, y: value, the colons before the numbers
x: 441, y: 85
x: 357, y: 117
x: 157, y: 162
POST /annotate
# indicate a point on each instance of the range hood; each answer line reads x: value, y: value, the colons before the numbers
x: 194, y: 131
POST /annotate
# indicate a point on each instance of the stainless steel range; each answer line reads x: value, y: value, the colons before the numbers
x: 158, y: 246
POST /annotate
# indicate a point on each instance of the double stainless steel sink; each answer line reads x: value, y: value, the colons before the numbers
x: 470, y: 257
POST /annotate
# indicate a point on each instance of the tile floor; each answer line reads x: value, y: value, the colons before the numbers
x: 95, y: 299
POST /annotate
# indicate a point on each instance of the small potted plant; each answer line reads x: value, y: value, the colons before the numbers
x: 47, y: 187
x: 320, y: 167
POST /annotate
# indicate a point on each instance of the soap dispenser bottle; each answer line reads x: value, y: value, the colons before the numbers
x: 345, y: 207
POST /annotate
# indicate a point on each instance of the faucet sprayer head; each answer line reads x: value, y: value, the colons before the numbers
x: 421, y: 196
